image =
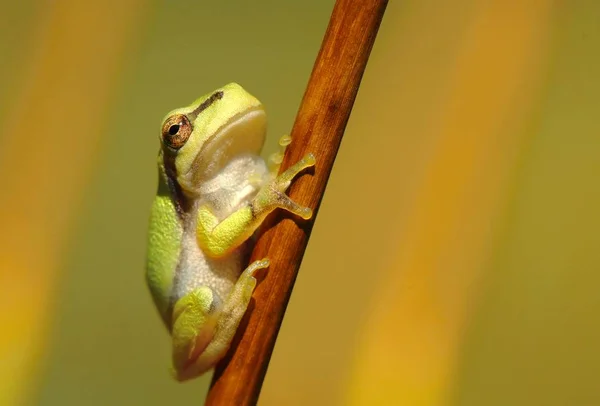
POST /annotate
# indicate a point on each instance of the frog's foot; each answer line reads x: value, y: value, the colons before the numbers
x: 276, y: 158
x: 236, y: 304
x: 242, y: 291
x: 223, y: 331
x: 273, y: 196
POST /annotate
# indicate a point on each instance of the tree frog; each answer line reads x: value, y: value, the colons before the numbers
x: 214, y: 191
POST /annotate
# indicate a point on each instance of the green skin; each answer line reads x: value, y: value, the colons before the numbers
x: 214, y: 191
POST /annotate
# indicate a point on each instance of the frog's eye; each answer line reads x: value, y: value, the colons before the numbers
x: 176, y: 130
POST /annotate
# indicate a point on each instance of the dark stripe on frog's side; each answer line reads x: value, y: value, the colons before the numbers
x: 174, y: 190
x: 181, y: 203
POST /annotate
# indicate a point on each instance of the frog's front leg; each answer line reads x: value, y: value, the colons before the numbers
x: 202, y: 333
x: 218, y: 238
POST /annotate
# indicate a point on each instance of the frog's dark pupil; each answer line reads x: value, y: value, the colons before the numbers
x: 174, y: 129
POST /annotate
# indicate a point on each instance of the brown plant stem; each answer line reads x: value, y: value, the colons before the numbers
x: 318, y: 128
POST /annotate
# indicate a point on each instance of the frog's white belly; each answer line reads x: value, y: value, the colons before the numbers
x: 234, y: 186
x: 197, y: 269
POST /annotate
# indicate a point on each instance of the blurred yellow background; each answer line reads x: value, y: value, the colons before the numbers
x: 455, y: 258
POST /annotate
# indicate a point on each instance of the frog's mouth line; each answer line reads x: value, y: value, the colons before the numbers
x: 245, y: 133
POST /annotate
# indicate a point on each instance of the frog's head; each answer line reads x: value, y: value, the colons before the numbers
x: 198, y: 140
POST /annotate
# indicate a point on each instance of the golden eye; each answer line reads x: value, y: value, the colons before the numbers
x: 176, y: 130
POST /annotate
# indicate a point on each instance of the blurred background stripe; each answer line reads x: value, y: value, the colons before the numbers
x: 52, y: 134
x: 534, y: 336
x: 410, y: 346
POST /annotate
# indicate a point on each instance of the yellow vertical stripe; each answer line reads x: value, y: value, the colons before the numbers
x: 49, y: 138
x: 409, y: 346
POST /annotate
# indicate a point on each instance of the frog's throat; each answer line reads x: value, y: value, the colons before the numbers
x: 245, y: 133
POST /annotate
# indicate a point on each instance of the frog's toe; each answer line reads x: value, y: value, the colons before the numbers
x: 285, y: 140
x: 256, y: 265
x: 288, y: 204
x: 276, y: 158
x: 289, y: 174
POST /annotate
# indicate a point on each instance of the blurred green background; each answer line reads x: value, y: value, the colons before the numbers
x: 455, y: 257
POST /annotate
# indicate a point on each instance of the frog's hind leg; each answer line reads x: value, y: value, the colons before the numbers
x: 194, y: 322
x: 276, y: 158
x: 227, y: 323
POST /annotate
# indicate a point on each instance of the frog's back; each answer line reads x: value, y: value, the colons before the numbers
x: 164, y: 247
